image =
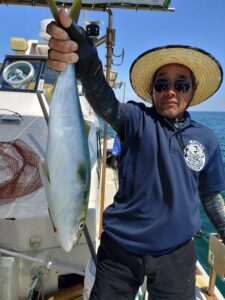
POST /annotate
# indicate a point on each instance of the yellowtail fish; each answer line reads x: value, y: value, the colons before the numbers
x: 65, y: 171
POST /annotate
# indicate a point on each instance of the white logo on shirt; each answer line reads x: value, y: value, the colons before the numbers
x: 194, y: 155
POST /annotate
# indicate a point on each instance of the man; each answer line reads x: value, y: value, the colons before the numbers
x: 166, y: 161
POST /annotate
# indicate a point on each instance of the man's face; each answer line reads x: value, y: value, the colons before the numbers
x: 172, y: 90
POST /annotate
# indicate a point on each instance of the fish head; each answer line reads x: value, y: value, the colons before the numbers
x: 69, y: 238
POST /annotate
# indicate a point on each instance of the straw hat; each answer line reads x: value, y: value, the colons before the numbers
x: 206, y: 69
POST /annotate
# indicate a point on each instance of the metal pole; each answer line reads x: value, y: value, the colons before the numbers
x: 45, y: 262
x: 108, y: 69
x: 44, y: 110
x: 90, y: 244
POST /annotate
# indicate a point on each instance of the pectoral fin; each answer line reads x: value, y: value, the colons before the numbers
x: 87, y: 127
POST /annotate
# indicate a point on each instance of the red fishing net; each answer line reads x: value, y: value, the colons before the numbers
x: 19, y: 171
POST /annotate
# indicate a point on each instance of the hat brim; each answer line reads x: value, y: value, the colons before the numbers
x: 206, y: 69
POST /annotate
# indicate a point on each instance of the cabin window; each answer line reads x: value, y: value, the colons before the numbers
x: 20, y: 74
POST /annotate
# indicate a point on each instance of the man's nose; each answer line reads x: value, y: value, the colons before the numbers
x: 171, y: 90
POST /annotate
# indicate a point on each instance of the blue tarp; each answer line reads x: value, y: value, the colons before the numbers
x: 116, y: 150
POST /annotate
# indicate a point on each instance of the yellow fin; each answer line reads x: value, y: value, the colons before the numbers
x: 87, y: 127
x: 44, y: 173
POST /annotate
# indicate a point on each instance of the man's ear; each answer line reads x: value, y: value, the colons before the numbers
x: 194, y: 90
x: 151, y: 93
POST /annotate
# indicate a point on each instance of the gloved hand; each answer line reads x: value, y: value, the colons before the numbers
x: 71, y: 44
x: 89, y: 62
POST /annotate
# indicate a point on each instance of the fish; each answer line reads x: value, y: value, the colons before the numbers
x: 66, y: 170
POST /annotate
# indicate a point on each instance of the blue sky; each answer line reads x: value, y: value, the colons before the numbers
x: 198, y: 23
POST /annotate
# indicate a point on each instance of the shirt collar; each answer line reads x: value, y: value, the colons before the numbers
x: 183, y: 124
x: 188, y: 120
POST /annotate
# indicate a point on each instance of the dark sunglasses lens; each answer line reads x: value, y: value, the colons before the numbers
x: 160, y: 85
x: 182, y: 86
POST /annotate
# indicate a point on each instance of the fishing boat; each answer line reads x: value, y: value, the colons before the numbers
x: 32, y: 263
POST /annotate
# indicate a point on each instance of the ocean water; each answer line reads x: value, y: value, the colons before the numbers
x: 215, y: 121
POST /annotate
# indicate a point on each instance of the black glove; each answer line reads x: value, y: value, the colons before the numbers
x: 89, y: 63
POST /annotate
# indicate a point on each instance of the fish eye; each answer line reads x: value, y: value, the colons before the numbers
x: 81, y: 225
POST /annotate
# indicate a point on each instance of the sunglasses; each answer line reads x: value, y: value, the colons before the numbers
x: 181, y: 85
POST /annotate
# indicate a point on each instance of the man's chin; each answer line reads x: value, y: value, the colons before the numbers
x: 169, y: 113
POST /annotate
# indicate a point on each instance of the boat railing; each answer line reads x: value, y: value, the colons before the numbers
x: 216, y: 259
